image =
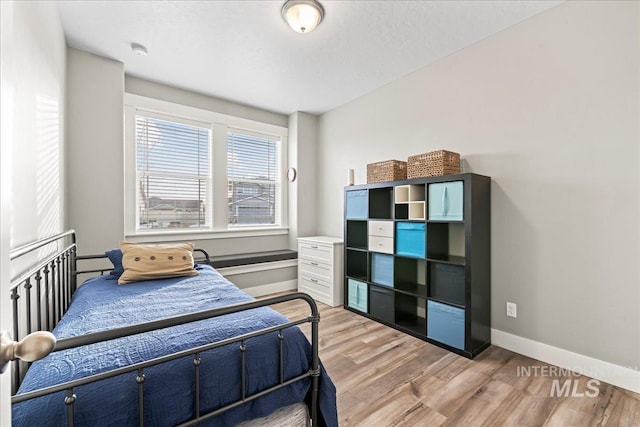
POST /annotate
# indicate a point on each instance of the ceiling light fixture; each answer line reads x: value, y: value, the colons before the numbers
x: 138, y: 49
x: 302, y: 15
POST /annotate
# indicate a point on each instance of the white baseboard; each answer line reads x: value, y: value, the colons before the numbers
x: 272, y: 288
x: 619, y: 376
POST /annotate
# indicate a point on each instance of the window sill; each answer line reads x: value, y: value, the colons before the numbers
x: 172, y: 236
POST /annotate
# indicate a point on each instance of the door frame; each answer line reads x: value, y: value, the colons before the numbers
x: 6, y: 143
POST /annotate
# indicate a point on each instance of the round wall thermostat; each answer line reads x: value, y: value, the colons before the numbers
x: 291, y: 174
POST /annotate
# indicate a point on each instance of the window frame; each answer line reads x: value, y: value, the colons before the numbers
x: 216, y: 210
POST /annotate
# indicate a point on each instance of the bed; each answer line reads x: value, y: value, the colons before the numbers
x: 180, y: 351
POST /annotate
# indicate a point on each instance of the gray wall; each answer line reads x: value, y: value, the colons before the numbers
x: 302, y: 191
x: 549, y: 110
x: 154, y: 90
x: 33, y: 120
x: 95, y: 97
x: 32, y: 156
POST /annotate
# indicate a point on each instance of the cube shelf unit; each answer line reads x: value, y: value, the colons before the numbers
x: 418, y: 258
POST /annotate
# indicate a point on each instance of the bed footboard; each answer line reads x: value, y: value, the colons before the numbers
x: 139, y: 368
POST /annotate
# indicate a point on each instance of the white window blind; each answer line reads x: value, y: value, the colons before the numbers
x: 172, y: 164
x: 253, y: 172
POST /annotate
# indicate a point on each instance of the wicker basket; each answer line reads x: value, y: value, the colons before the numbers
x: 435, y: 163
x: 389, y: 170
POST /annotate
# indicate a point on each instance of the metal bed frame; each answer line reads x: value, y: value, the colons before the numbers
x: 55, y: 279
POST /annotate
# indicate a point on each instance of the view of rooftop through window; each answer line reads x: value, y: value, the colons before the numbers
x: 253, y: 179
x: 173, y: 169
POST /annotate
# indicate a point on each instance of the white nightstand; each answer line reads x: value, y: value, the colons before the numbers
x: 320, y: 268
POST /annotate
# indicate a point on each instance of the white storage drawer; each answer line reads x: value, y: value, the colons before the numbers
x: 315, y: 286
x: 381, y: 244
x: 314, y: 251
x: 315, y: 269
x: 320, y: 268
x: 381, y: 228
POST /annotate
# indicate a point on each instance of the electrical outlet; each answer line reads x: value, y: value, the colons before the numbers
x: 512, y: 309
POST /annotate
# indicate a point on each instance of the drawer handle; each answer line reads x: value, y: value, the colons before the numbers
x: 379, y: 228
x: 314, y: 247
x: 314, y: 263
x: 379, y: 244
x: 445, y: 202
x: 314, y: 280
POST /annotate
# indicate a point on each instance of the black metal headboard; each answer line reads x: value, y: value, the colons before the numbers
x: 41, y: 294
x: 204, y: 259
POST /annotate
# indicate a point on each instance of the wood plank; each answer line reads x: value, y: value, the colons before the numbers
x: 482, y: 404
x: 386, y: 378
x: 623, y: 409
x: 523, y: 409
x: 391, y: 408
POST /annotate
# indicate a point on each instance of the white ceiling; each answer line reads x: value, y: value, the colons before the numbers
x: 244, y: 52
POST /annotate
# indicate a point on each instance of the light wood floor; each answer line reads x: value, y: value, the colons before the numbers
x: 387, y: 378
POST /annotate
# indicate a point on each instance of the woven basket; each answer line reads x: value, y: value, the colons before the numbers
x: 435, y: 163
x: 388, y: 170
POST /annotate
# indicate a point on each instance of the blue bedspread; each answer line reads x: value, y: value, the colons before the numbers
x: 101, y: 304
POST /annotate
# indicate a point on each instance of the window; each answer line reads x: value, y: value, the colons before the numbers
x: 254, y: 181
x: 172, y: 165
x: 196, y: 172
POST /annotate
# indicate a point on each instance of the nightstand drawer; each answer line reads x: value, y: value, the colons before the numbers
x: 381, y: 228
x: 315, y: 252
x: 315, y: 287
x: 315, y: 269
x: 381, y: 244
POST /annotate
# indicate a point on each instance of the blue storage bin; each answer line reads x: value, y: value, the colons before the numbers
x: 446, y: 201
x: 410, y: 239
x: 445, y: 324
x: 382, y: 269
x: 357, y: 204
x: 357, y: 295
